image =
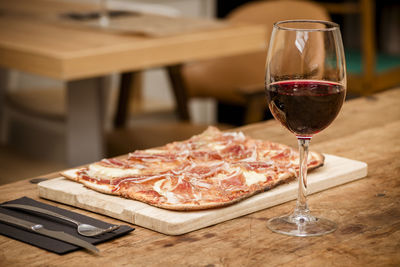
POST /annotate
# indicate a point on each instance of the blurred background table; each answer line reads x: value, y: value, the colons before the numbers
x: 367, y: 210
x: 32, y: 40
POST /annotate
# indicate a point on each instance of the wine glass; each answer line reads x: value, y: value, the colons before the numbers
x: 305, y: 84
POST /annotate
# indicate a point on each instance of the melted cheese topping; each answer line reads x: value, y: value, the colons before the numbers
x: 254, y: 177
x: 217, y: 146
x: 157, y: 186
x: 237, y: 135
x: 98, y: 172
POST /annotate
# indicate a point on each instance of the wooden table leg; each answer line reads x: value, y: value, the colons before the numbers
x: 125, y: 91
x: 85, y: 127
x: 181, y: 98
x: 126, y: 87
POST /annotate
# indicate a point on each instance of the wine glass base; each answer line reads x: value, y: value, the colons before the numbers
x: 301, y: 226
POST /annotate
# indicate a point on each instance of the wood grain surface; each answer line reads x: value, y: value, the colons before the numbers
x: 33, y: 39
x: 367, y: 211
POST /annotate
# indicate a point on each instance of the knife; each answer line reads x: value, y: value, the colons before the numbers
x: 38, y: 228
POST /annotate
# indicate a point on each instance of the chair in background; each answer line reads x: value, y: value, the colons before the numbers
x: 368, y: 71
x: 239, y: 80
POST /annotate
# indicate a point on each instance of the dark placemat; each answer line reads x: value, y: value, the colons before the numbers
x: 52, y: 223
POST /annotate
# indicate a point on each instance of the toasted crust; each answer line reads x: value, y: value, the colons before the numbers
x: 72, y: 175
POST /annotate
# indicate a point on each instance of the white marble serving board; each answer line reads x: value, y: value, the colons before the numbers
x: 336, y: 171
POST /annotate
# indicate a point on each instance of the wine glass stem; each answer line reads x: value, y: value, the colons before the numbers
x: 301, y: 211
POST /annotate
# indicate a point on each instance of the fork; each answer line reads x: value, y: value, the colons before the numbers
x: 82, y: 228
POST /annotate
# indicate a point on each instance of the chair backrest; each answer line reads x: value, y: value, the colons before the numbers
x: 221, y: 78
x: 269, y: 12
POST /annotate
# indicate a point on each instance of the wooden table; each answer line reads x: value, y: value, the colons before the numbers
x: 32, y: 40
x: 367, y: 211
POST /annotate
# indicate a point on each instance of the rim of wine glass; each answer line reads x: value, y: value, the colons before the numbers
x: 330, y: 25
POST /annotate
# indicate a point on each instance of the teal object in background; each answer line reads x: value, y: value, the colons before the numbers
x: 384, y: 62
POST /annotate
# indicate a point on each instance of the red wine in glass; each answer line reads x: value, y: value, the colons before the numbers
x: 305, y: 107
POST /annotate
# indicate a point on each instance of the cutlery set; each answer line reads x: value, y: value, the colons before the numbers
x: 83, y: 229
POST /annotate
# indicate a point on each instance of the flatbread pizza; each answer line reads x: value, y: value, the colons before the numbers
x: 209, y: 170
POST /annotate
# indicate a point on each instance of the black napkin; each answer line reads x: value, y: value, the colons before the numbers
x: 51, y: 223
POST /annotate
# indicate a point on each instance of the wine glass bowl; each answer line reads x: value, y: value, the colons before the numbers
x: 305, y: 107
x: 305, y: 85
